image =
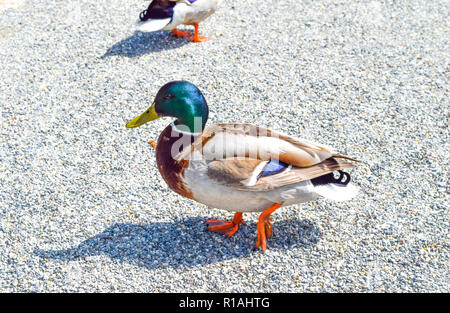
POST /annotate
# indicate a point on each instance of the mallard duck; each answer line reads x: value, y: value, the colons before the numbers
x: 239, y: 167
x: 168, y: 14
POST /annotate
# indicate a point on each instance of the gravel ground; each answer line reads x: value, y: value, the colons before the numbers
x: 84, y: 209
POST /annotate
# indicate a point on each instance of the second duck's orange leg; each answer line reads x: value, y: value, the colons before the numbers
x: 226, y: 227
x: 197, y: 37
x: 264, y: 228
x: 181, y: 33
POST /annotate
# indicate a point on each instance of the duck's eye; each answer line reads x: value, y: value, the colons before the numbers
x: 168, y: 97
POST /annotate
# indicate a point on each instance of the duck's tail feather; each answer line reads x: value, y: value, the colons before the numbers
x: 345, y: 157
x: 336, y: 192
x: 337, y: 189
x: 152, y: 25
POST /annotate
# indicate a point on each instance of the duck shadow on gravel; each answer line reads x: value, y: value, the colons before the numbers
x: 143, y: 43
x: 184, y: 243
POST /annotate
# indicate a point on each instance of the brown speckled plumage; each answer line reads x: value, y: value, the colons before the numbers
x: 170, y: 169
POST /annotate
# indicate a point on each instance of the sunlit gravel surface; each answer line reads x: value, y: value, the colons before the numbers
x: 84, y: 209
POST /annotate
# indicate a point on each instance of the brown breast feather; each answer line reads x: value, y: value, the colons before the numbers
x: 171, y: 170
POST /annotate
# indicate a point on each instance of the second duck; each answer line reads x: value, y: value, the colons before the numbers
x: 168, y: 14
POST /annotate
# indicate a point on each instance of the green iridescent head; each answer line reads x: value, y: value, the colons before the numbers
x: 181, y: 100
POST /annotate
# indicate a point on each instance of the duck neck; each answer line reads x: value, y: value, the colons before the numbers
x: 192, y: 126
x: 193, y: 116
x: 172, y: 141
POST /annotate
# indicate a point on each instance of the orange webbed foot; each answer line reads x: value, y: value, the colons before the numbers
x: 152, y: 143
x: 181, y: 33
x: 264, y: 228
x: 226, y: 227
x: 197, y: 37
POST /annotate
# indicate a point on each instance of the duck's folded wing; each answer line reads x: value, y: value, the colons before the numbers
x: 257, y: 175
x: 249, y: 157
x: 225, y: 141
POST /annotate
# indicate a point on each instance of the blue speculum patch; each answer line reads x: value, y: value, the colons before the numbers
x: 273, y: 167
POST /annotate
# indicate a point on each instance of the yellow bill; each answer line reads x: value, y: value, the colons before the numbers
x: 145, y: 117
